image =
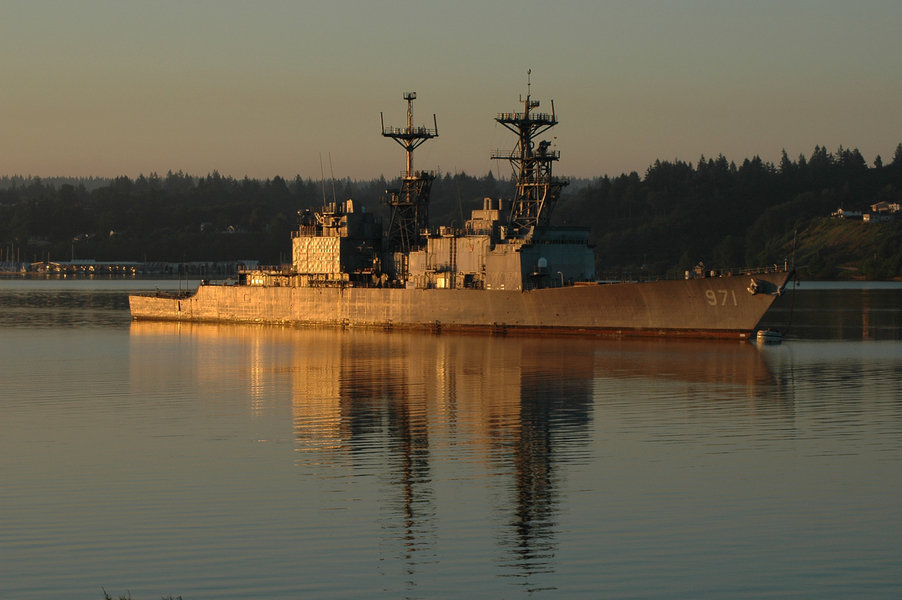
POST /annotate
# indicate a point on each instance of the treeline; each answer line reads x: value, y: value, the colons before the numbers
x: 171, y: 218
x: 756, y: 213
x: 677, y: 215
x: 179, y: 217
x: 19, y: 181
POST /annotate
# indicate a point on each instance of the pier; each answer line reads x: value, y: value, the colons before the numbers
x: 124, y: 268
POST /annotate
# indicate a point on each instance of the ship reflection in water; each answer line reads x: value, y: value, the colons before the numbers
x: 428, y: 416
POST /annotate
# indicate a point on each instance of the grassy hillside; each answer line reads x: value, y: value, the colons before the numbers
x: 843, y: 249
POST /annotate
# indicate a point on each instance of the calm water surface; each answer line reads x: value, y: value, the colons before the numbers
x: 262, y: 462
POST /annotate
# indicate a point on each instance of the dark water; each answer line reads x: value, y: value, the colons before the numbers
x: 840, y: 311
x: 261, y: 462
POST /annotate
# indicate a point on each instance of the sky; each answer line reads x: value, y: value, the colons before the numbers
x: 264, y: 88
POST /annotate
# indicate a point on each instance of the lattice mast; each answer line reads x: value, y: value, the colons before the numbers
x: 537, y: 187
x: 410, y: 202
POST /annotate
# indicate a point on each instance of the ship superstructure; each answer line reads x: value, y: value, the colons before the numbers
x: 409, y: 202
x: 505, y: 245
x: 509, y: 244
x: 537, y: 188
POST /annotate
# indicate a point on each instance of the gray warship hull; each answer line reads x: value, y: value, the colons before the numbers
x: 711, y: 307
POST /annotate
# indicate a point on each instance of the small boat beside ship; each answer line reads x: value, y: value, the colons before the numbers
x: 769, y: 337
x: 507, y: 270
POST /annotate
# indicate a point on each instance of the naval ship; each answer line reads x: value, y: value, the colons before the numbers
x: 507, y: 270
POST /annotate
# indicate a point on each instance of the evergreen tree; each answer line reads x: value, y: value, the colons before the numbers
x: 897, y: 157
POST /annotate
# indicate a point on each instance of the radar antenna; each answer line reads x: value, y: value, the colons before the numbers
x: 537, y: 188
x: 410, y: 202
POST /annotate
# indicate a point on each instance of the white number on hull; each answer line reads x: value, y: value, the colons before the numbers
x: 724, y: 296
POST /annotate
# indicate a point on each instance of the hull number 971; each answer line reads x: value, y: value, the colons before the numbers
x: 721, y: 297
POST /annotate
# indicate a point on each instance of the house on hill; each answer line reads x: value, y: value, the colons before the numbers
x: 842, y: 213
x: 885, y: 208
x: 880, y: 212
